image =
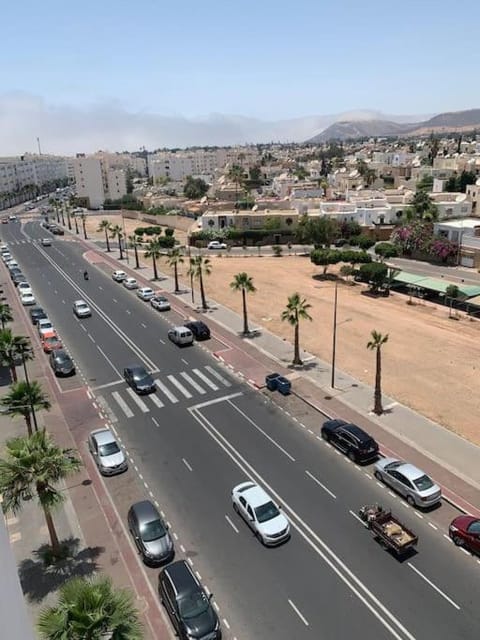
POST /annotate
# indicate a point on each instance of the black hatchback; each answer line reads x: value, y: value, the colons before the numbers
x: 139, y: 379
x: 36, y: 314
x: 199, y: 329
x: 355, y: 442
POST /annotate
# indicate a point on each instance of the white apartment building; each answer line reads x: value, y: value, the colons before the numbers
x: 95, y: 181
x: 30, y: 169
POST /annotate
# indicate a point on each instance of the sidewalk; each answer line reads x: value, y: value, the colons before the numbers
x: 442, y: 447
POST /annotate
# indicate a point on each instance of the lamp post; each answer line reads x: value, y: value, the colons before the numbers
x: 334, y: 334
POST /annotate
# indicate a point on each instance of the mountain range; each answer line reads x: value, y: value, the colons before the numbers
x: 384, y: 127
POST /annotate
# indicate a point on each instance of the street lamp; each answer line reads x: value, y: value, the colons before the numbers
x: 334, y: 336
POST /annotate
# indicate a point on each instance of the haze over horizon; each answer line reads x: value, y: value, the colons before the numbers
x: 84, y: 77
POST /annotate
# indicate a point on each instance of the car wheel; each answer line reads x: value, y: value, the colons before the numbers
x: 352, y: 456
x: 378, y: 475
x: 411, y: 501
x: 259, y: 537
x: 325, y: 436
x: 235, y: 508
x: 458, y: 541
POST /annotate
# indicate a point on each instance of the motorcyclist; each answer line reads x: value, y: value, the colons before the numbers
x: 85, y: 275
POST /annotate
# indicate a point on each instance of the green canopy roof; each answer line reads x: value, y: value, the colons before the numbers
x: 436, y: 284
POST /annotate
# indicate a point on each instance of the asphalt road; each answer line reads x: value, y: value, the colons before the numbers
x: 331, y: 580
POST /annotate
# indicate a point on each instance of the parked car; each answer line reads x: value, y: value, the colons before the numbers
x: 119, y: 276
x: 199, y: 329
x: 37, y: 314
x: 108, y: 456
x: 44, y: 326
x: 465, y: 532
x: 145, y: 293
x: 160, y: 303
x: 50, y: 341
x: 139, y: 379
x: 11, y: 264
x: 150, y: 533
x: 61, y: 363
x: 355, y: 442
x: 6, y: 256
x: 216, y: 244
x: 27, y: 299
x: 188, y: 606
x: 24, y: 287
x: 81, y: 309
x: 15, y: 271
x: 410, y: 482
x: 17, y: 278
x: 57, y: 231
x: 181, y: 336
x: 130, y: 283
x: 46, y: 242
x: 260, y: 513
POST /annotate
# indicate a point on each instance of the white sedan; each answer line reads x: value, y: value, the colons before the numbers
x: 145, y: 293
x: 119, y: 276
x: 130, y: 283
x: 27, y: 299
x: 81, y: 309
x: 216, y: 244
x: 260, y: 513
x: 24, y: 287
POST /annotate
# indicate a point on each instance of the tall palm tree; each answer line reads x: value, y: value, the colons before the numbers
x: 13, y: 348
x: 175, y: 258
x: 5, y: 314
x: 375, y: 344
x: 68, y: 210
x: 75, y: 219
x: 236, y: 174
x: 106, y: 227
x: 200, y: 266
x: 154, y: 251
x: 296, y: 310
x: 32, y: 467
x: 244, y: 283
x: 83, y: 217
x: 23, y: 399
x: 116, y: 231
x: 132, y: 242
x: 91, y: 609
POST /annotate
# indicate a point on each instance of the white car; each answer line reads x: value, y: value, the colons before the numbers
x: 130, y: 283
x: 216, y: 244
x: 27, y: 299
x: 44, y: 326
x: 260, y: 513
x: 108, y: 456
x: 81, y: 309
x: 11, y: 263
x: 46, y: 242
x: 119, y: 276
x: 145, y: 293
x: 24, y: 287
x: 6, y: 256
x: 410, y: 482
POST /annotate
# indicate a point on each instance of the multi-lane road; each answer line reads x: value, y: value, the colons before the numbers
x: 202, y: 433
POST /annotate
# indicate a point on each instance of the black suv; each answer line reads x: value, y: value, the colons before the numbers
x: 355, y: 442
x: 199, y: 329
x: 187, y: 604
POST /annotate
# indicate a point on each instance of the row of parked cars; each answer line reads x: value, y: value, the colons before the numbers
x: 18, y: 278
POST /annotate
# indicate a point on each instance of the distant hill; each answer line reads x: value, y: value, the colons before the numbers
x: 349, y: 130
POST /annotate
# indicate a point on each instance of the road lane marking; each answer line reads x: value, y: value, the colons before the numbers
x: 179, y: 386
x: 192, y: 382
x: 299, y: 614
x: 109, y: 361
x: 166, y: 391
x: 433, y: 526
x: 320, y: 484
x: 114, y: 299
x: 203, y: 377
x: 162, y: 341
x: 184, y: 361
x: 231, y: 524
x: 254, y: 424
x: 128, y: 311
x: 156, y: 400
x: 434, y: 586
x: 225, y: 622
x: 447, y: 538
x: 357, y: 517
x: 108, y: 384
x: 122, y: 404
x: 155, y: 422
x: 140, y: 403
x: 419, y: 515
x: 218, y: 376
x: 187, y: 464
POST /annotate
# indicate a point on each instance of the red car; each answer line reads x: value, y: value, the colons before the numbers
x: 465, y: 532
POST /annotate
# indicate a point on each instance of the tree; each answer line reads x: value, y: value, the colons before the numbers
x: 236, y: 174
x: 195, y: 188
x: 200, y: 266
x: 386, y: 250
x: 154, y: 251
x: 91, y: 609
x: 12, y: 349
x: 452, y: 292
x: 5, y: 314
x: 325, y: 257
x: 296, y: 310
x: 424, y: 207
x: 132, y: 242
x: 321, y: 232
x: 23, y: 398
x: 106, y: 227
x: 175, y: 258
x: 375, y: 273
x: 32, y: 467
x: 375, y: 344
x: 244, y: 283
x: 363, y: 241
x: 434, y: 145
x: 116, y: 231
x: 83, y: 217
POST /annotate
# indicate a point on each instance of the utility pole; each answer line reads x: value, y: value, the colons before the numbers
x: 39, y: 149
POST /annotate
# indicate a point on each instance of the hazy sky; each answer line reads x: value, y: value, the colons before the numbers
x: 261, y: 59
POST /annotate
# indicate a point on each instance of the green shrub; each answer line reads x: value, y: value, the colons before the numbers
x: 169, y: 232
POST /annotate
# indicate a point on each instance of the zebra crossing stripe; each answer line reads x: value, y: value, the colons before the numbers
x: 216, y: 375
x: 203, y: 377
x: 179, y: 386
x: 192, y: 382
x: 123, y: 405
x: 140, y: 403
x: 156, y: 400
x: 166, y: 391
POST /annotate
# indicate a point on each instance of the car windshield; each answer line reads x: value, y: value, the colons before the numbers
x: 423, y: 483
x: 193, y: 606
x: 266, y: 512
x: 153, y: 530
x: 140, y: 376
x: 108, y: 449
x: 62, y: 358
x: 393, y: 465
x: 81, y: 305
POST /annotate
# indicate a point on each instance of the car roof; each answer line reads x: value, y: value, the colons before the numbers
x: 410, y: 471
x: 35, y: 310
x: 136, y: 367
x: 183, y: 579
x: 181, y: 327
x: 145, y: 511
x: 44, y: 321
x: 145, y: 289
x: 195, y: 323
x: 60, y: 354
x: 80, y: 302
x: 103, y: 436
x: 254, y: 494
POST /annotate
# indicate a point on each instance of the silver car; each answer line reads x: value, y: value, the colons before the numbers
x: 160, y: 303
x: 81, y: 309
x: 108, y: 456
x: 410, y: 482
x: 150, y: 533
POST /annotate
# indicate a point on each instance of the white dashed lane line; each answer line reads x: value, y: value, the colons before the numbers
x: 320, y: 484
x: 299, y: 614
x: 187, y: 464
x: 434, y: 586
x: 227, y: 518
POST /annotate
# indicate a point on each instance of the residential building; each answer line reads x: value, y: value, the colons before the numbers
x: 245, y: 220
x: 96, y: 182
x: 452, y: 205
x: 29, y: 169
x: 473, y: 195
x: 466, y: 233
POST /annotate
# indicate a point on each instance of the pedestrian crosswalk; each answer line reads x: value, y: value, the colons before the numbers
x: 171, y: 388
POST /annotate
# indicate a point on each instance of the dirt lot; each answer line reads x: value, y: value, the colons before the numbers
x: 429, y: 362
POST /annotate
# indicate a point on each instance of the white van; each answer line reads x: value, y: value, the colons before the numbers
x: 181, y: 336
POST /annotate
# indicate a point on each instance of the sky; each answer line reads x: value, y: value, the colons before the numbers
x: 93, y: 74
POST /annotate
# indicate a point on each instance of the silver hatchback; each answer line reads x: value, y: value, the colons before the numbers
x: 412, y: 483
x: 108, y: 456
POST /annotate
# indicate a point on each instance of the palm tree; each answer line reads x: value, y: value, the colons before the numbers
x: 75, y: 219
x: 244, y: 283
x: 23, y: 399
x: 198, y: 267
x: 376, y: 344
x: 32, y: 467
x: 83, y: 216
x: 175, y: 258
x: 105, y: 226
x: 5, y: 314
x: 12, y: 348
x: 296, y: 310
x: 132, y: 240
x: 116, y: 231
x: 237, y: 175
x: 68, y: 210
x: 91, y: 609
x: 154, y: 251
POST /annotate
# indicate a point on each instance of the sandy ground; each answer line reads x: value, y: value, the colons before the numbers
x: 429, y: 362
